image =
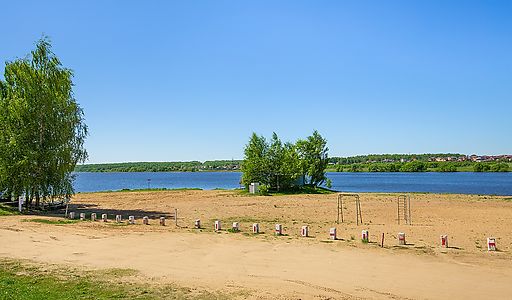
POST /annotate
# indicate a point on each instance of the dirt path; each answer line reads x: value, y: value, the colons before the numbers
x: 267, y: 268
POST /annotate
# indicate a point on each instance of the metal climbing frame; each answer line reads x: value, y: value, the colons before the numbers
x: 359, y: 216
x: 404, y: 209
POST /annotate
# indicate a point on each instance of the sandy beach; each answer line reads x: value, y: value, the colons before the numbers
x: 265, y: 266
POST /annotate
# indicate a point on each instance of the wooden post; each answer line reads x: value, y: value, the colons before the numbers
x: 382, y: 241
x: 176, y: 216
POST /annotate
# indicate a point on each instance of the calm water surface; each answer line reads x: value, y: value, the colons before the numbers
x: 460, y: 182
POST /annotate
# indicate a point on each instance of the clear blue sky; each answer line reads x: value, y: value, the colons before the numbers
x: 191, y: 80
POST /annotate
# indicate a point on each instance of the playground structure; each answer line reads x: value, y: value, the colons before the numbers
x: 404, y: 209
x: 359, y: 217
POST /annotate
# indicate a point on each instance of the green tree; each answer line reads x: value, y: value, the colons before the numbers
x: 255, y: 161
x: 314, y: 158
x: 42, y: 130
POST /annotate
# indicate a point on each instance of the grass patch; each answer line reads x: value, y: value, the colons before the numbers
x: 23, y: 280
x: 52, y: 222
x: 8, y: 211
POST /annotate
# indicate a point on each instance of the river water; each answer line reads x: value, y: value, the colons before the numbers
x: 459, y: 182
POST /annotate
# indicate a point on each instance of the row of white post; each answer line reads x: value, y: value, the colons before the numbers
x: 278, y: 230
x: 217, y: 226
x: 119, y: 218
x: 365, y: 236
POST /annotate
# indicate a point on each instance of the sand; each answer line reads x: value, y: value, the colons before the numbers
x: 287, y: 267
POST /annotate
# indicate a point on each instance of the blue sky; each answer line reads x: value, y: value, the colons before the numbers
x: 191, y: 80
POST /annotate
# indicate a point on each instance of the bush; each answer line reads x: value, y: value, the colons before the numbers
x: 263, y: 190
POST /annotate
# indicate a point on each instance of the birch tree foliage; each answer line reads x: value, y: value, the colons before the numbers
x: 42, y: 128
x: 279, y: 166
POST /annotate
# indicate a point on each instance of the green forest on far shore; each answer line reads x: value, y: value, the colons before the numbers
x: 362, y: 163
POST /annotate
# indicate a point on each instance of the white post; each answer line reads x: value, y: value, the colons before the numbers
x: 197, y: 224
x: 93, y: 217
x: 235, y: 227
x: 401, y: 238
x: 131, y: 220
x: 444, y: 241
x: 145, y: 220
x: 279, y: 229
x: 304, y: 231
x: 365, y: 236
x: 255, y: 228
x: 20, y: 203
x: 104, y: 217
x: 162, y: 221
x: 82, y: 216
x: 217, y: 225
x: 491, y: 244
x: 119, y: 218
x: 332, y: 233
x: 72, y: 215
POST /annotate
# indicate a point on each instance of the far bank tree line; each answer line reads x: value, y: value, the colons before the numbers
x: 420, y: 166
x: 279, y: 166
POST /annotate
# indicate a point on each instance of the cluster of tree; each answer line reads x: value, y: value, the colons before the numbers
x: 42, y: 130
x: 389, y: 158
x: 282, y: 166
x: 419, y: 166
x: 491, y: 167
x: 189, y: 166
x: 413, y: 166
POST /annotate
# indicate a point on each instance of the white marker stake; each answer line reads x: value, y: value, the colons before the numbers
x: 365, y: 236
x: 162, y: 221
x: 82, y: 216
x: 444, y: 241
x: 332, y: 233
x: 145, y: 220
x: 119, y: 218
x: 104, y: 217
x: 217, y: 225
x: 235, y: 227
x: 197, y: 224
x: 255, y: 228
x: 20, y: 204
x: 93, y: 217
x: 304, y: 231
x: 401, y: 238
x: 491, y: 244
x: 279, y: 229
x: 72, y: 215
x: 131, y: 220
